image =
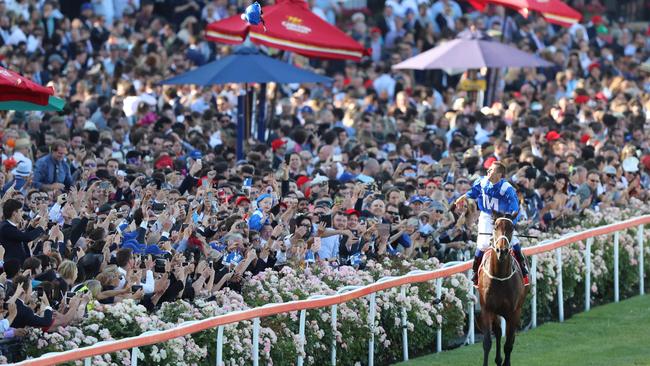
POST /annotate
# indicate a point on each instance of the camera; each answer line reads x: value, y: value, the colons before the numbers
x: 39, y: 291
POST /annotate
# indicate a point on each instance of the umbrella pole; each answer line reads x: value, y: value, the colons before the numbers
x: 493, y: 74
x: 261, y: 125
x: 241, y: 121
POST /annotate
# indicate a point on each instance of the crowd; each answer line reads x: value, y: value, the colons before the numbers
x: 134, y: 190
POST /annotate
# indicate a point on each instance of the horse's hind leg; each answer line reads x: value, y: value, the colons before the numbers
x: 511, y: 330
x: 486, y: 324
x: 496, y: 327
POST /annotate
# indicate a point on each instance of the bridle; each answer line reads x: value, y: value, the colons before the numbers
x: 495, y: 240
x: 515, y: 268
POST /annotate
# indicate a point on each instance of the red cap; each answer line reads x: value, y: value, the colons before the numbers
x: 585, y: 138
x: 277, y: 143
x: 593, y: 65
x: 241, y: 199
x: 601, y: 96
x: 352, y: 211
x: 488, y: 162
x: 10, y: 163
x: 581, y: 99
x: 375, y: 30
x: 164, y: 161
x: 645, y: 160
x: 552, y: 136
x: 597, y: 20
x: 432, y: 181
x: 301, y: 181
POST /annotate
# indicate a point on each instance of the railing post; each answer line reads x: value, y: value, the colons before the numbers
x: 471, y: 330
x: 219, y: 360
x: 371, y: 324
x: 134, y: 356
x: 533, y: 288
x: 256, y: 341
x: 88, y: 361
x: 590, y: 242
x: 616, y: 290
x: 405, y: 333
x: 335, y: 308
x: 439, y: 331
x: 639, y: 238
x: 558, y: 274
x: 301, y: 336
x: 333, y: 350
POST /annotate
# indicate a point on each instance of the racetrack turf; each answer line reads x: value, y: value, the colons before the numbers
x: 608, y: 335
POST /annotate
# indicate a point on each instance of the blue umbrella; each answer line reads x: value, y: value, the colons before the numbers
x: 247, y: 65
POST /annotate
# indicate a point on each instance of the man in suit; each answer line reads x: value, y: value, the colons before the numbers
x: 12, y: 238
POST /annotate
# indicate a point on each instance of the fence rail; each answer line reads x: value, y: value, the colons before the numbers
x: 354, y: 292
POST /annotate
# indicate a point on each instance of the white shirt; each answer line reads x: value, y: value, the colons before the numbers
x: 329, y: 247
x: 385, y: 83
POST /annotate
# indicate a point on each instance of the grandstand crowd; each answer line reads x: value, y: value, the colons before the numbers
x: 134, y: 190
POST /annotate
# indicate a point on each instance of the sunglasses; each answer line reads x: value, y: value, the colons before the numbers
x: 463, y: 182
x: 449, y: 189
x: 594, y: 180
x: 90, y: 165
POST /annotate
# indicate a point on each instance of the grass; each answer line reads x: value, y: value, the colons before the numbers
x: 608, y: 335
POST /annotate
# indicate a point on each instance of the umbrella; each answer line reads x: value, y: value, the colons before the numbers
x: 554, y: 11
x: 290, y: 26
x: 21, y: 94
x: 472, y: 53
x: 247, y: 65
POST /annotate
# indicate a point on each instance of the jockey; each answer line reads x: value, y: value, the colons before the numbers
x: 494, y: 194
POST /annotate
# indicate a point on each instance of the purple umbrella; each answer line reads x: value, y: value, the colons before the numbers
x: 464, y: 53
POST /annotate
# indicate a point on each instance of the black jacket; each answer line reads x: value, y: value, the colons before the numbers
x: 15, y: 241
x: 25, y: 317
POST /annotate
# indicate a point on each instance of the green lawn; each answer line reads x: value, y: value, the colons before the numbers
x: 608, y: 335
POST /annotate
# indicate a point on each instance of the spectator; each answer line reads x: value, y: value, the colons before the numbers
x: 52, y: 172
x: 12, y: 238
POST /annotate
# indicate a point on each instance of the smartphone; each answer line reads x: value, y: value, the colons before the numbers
x: 211, y: 264
x: 160, y: 266
x: 136, y: 288
x: 337, y: 158
x: 39, y: 292
x: 143, y: 265
x: 104, y: 185
x: 69, y: 295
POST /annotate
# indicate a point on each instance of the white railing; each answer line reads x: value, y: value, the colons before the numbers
x: 349, y: 293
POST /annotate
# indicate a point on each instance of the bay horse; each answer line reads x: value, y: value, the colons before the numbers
x: 501, y: 290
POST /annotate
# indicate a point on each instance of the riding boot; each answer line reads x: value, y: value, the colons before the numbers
x: 477, y: 263
x: 522, y: 263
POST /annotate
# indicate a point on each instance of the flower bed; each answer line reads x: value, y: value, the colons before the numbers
x: 279, y: 341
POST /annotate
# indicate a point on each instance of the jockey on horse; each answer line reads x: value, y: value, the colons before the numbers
x: 493, y: 193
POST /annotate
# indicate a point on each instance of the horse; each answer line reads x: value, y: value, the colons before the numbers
x: 501, y: 290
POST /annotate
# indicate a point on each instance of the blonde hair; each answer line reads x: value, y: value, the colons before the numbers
x: 68, y: 270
